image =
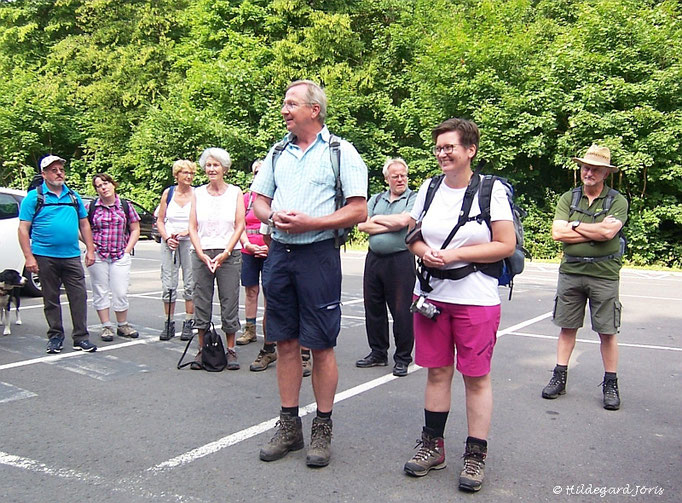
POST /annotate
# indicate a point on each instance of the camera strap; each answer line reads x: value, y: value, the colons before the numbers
x: 424, y: 273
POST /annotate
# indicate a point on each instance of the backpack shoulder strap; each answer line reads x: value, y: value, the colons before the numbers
x: 485, y: 192
x: 431, y: 193
x: 278, y: 149
x: 40, y: 200
x: 126, y: 210
x: 169, y: 196
x: 608, y: 200
x: 577, y: 193
x: 335, y: 154
x: 91, y: 210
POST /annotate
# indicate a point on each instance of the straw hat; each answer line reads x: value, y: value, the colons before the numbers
x: 597, y: 156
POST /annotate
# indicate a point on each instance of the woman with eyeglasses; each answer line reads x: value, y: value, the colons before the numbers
x: 216, y: 223
x: 115, y: 230
x: 457, y: 308
x: 173, y: 225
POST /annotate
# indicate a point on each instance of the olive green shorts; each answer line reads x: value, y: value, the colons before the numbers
x: 575, y: 290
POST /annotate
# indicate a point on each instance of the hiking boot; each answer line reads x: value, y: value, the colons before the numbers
x: 84, y: 345
x: 371, y: 361
x: 168, y: 331
x: 263, y: 360
x: 430, y: 456
x: 288, y: 437
x: 611, y: 395
x: 471, y: 478
x: 55, y: 344
x: 556, y: 385
x: 248, y: 336
x: 187, y: 330
x: 232, y: 361
x: 320, y: 449
x: 197, y: 364
x: 127, y: 331
x: 107, y: 334
x: 307, y: 365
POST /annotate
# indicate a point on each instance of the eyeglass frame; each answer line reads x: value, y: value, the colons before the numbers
x: 292, y: 105
x: 448, y: 149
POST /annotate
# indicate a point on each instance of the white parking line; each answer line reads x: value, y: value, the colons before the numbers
x: 259, y: 428
x: 596, y: 341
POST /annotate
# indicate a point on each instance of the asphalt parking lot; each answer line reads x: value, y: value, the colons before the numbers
x: 124, y: 425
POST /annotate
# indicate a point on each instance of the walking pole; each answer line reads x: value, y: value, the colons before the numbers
x: 170, y: 293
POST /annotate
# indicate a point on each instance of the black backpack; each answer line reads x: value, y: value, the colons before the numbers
x: 40, y: 200
x: 340, y: 235
x: 504, y: 270
x: 213, y: 358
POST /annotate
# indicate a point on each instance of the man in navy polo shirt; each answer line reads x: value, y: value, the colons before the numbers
x: 302, y: 276
x: 389, y: 271
x: 48, y: 235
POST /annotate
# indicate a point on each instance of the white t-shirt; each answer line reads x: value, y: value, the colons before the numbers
x: 177, y: 218
x: 477, y: 288
x: 216, y: 216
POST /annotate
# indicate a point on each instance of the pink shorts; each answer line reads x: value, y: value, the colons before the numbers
x: 472, y: 330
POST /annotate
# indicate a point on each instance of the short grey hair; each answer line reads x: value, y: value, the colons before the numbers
x: 390, y: 162
x: 218, y: 154
x: 314, y: 95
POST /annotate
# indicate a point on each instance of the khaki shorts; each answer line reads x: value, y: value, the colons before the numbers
x: 573, y: 292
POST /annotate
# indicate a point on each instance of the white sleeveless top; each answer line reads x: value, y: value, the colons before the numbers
x: 177, y: 218
x: 215, y: 217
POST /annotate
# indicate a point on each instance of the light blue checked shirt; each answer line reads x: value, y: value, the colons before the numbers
x: 304, y: 181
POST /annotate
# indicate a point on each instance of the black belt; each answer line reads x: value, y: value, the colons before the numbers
x: 589, y: 260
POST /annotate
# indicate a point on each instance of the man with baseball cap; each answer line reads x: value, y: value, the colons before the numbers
x: 588, y: 221
x: 50, y: 218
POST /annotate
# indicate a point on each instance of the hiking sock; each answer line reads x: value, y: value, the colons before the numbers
x: 478, y: 441
x: 251, y: 320
x: 324, y: 415
x: 563, y: 368
x: 435, y: 421
x: 290, y: 411
x: 269, y: 347
x: 609, y: 376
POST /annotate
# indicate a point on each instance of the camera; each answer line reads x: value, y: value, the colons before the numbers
x: 425, y: 308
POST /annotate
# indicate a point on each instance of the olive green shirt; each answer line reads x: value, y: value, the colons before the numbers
x: 607, y: 269
x: 380, y: 204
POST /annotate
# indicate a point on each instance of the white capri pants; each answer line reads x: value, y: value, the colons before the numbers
x: 110, y: 276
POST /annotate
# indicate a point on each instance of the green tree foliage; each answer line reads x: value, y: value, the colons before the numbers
x: 129, y: 87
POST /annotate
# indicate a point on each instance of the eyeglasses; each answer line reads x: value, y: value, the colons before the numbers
x: 292, y: 105
x: 447, y: 149
x: 56, y: 169
x: 593, y: 169
x: 398, y: 177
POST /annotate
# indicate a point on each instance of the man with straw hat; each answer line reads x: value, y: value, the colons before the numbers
x: 588, y: 221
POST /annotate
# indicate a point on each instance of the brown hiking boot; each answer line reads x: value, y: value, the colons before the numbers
x: 320, y: 449
x: 263, y: 360
x: 248, y: 336
x: 430, y: 456
x: 288, y: 437
x: 471, y: 478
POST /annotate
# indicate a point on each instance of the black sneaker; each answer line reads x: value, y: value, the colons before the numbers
x: 611, y: 394
x: 84, y: 345
x: 371, y: 361
x: 556, y: 385
x: 55, y: 344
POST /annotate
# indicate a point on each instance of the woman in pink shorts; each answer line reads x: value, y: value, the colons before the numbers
x: 457, y: 305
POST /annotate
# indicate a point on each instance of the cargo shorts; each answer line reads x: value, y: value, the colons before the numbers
x: 573, y: 293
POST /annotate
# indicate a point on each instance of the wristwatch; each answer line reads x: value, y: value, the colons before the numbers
x: 575, y: 224
x: 271, y: 222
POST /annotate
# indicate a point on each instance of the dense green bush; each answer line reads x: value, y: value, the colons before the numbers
x: 129, y: 87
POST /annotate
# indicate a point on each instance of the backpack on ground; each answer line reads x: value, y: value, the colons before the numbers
x: 213, y: 358
x: 504, y: 270
x: 340, y: 235
x: 576, y: 195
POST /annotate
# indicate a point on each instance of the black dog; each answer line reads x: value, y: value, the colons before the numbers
x: 10, y: 284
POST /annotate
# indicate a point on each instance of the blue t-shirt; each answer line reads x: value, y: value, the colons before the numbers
x: 54, y: 232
